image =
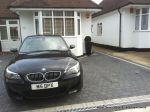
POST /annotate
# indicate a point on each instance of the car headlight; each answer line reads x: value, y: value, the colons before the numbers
x: 12, y: 75
x: 73, y: 70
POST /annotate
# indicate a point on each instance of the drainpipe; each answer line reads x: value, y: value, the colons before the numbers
x: 120, y: 28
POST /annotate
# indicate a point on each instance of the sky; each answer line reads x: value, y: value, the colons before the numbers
x: 97, y: 1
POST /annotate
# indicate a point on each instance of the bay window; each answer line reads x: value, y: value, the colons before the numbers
x: 59, y: 23
x: 142, y: 19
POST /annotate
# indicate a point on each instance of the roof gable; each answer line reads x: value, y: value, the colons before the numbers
x: 54, y: 4
x: 110, y: 5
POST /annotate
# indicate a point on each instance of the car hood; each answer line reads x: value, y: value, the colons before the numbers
x: 33, y: 65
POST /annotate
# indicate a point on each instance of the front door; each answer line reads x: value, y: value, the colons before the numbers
x: 9, y: 34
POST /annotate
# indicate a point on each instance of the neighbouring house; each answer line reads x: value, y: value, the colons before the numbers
x: 71, y: 19
x: 122, y: 24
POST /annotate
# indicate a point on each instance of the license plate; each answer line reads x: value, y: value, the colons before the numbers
x: 44, y: 86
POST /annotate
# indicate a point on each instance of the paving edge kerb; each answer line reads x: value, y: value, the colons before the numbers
x: 97, y: 104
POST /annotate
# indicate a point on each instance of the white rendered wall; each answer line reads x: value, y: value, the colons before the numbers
x: 26, y: 23
x: 110, y: 25
x: 85, y: 28
x: 130, y: 37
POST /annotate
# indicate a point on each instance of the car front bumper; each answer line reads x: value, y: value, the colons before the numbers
x: 23, y: 88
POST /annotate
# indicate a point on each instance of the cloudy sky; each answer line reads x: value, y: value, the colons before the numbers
x: 97, y: 1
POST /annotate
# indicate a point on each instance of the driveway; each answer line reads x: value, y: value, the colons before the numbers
x: 142, y: 58
x: 105, y: 78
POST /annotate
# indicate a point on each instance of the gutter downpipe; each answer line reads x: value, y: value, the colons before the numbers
x: 120, y: 28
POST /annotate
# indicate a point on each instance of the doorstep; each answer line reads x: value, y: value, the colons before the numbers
x: 142, y: 58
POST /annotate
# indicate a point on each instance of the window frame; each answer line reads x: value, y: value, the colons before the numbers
x: 64, y: 17
x: 140, y: 19
x: 100, y: 30
x: 8, y: 26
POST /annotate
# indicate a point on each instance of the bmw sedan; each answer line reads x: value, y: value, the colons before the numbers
x: 44, y: 66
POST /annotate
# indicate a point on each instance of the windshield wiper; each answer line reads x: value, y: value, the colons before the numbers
x: 43, y: 51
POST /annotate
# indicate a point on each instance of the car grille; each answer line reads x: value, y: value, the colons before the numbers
x: 39, y: 77
x: 52, y: 75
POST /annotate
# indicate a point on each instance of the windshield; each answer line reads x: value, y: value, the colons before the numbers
x: 32, y: 44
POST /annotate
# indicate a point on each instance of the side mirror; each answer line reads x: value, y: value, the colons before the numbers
x: 72, y: 46
x: 14, y: 50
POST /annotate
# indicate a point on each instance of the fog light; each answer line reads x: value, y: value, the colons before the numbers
x: 71, y: 92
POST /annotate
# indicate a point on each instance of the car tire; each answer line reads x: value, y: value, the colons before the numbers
x: 13, y: 96
x: 80, y: 86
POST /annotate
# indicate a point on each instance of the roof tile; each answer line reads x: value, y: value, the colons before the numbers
x: 54, y: 4
x: 110, y: 5
x: 4, y: 10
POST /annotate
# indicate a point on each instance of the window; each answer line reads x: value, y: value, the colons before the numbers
x: 3, y: 33
x: 47, y: 26
x: 13, y: 22
x: 47, y: 13
x: 58, y: 26
x: 3, y: 30
x: 59, y: 23
x: 14, y: 33
x: 142, y: 19
x: 137, y: 25
x: 99, y: 29
x: 58, y: 13
x: 37, y: 26
x: 92, y: 28
x: 78, y: 14
x: 36, y: 14
x: 69, y: 26
x: 69, y: 13
x: 79, y: 29
x: 9, y: 29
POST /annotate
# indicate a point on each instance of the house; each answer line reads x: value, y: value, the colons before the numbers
x: 122, y: 24
x: 69, y: 18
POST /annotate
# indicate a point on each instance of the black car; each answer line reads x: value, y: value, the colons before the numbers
x: 44, y: 66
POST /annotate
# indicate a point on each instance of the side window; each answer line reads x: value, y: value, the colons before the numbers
x: 145, y: 19
x: 99, y: 29
x: 3, y: 30
x: 37, y: 26
x: 3, y: 33
x: 137, y: 19
x: 142, y: 19
x: 14, y: 34
x: 13, y: 29
x: 91, y: 28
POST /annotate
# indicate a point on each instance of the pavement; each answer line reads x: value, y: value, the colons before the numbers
x: 105, y: 79
x: 139, y: 57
